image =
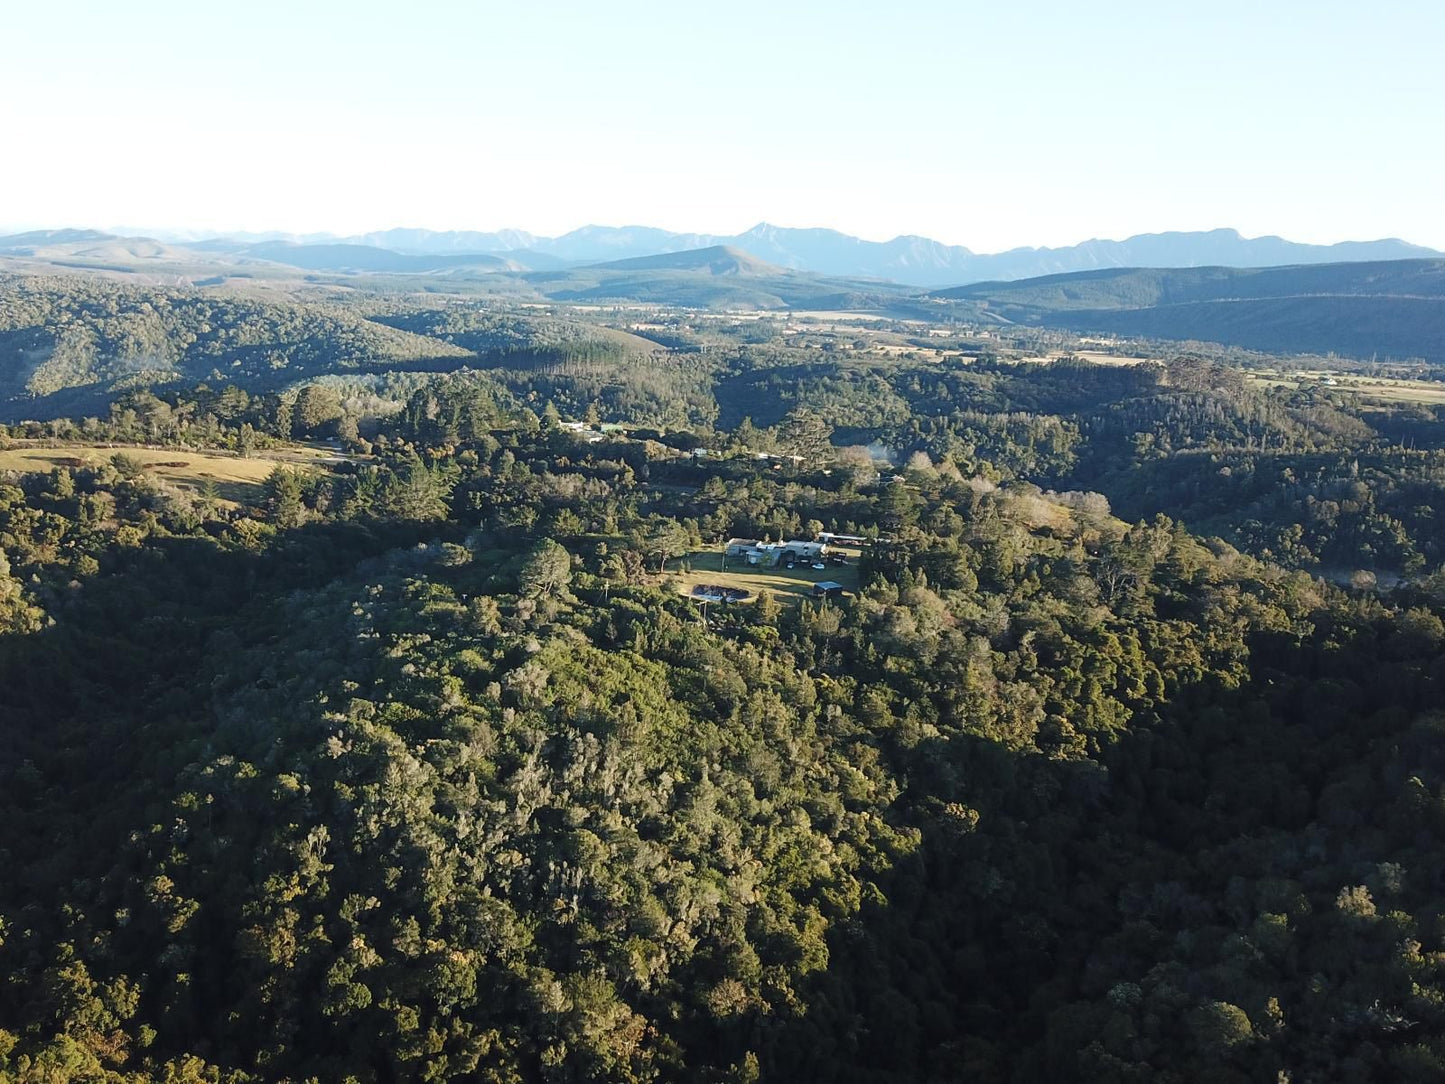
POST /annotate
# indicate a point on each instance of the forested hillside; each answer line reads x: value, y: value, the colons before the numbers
x: 1132, y: 288
x: 1109, y: 748
x: 1392, y: 309
x: 1304, y: 474
x: 59, y: 334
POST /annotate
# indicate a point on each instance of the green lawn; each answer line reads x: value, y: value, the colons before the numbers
x: 787, y: 584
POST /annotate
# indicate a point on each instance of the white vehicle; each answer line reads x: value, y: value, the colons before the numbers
x: 819, y: 565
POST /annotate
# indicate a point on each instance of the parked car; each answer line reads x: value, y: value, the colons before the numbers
x: 819, y: 565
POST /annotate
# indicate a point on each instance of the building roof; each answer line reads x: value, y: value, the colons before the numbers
x: 828, y: 585
x: 792, y: 543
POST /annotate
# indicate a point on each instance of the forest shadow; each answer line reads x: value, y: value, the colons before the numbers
x: 995, y: 936
x: 113, y: 676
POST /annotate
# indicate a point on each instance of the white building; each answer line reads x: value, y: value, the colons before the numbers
x: 782, y: 554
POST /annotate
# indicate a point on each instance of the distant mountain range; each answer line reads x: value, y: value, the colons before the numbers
x: 912, y: 261
x: 716, y: 277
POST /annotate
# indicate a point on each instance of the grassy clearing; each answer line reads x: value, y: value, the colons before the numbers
x: 236, y: 479
x: 1039, y: 512
x: 1094, y: 356
x: 1429, y: 392
x: 787, y: 584
x: 1099, y: 358
x: 1380, y: 389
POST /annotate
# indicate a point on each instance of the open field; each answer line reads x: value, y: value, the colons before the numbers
x: 1038, y: 512
x: 235, y: 478
x: 788, y: 584
x: 1099, y: 358
x: 1383, y: 389
x: 1399, y: 391
x: 1095, y: 356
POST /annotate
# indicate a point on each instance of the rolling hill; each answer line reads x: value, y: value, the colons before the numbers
x: 66, y: 344
x: 93, y: 246
x: 713, y: 260
x: 714, y: 277
x: 33, y: 239
x: 82, y: 249
x: 347, y: 257
x: 1392, y: 309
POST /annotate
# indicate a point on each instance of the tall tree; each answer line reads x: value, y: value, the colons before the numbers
x: 317, y: 408
x: 547, y: 570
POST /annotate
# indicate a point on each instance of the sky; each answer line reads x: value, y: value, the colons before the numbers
x: 987, y: 125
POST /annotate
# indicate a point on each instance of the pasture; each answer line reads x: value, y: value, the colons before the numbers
x: 235, y: 478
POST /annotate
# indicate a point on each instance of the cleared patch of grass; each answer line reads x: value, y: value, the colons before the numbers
x: 1037, y: 512
x: 1398, y: 391
x: 1380, y: 389
x: 237, y: 479
x: 787, y: 584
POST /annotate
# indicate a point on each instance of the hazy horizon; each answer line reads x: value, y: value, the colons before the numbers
x: 203, y: 233
x: 992, y: 129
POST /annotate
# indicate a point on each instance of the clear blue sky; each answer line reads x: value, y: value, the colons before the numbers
x: 989, y: 125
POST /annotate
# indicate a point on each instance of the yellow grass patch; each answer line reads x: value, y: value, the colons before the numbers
x: 1094, y: 356
x: 1036, y: 512
x: 1380, y: 389
x: 236, y: 478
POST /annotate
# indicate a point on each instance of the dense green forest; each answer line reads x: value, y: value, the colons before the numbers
x: 1307, y: 475
x: 1124, y: 761
x: 60, y: 334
